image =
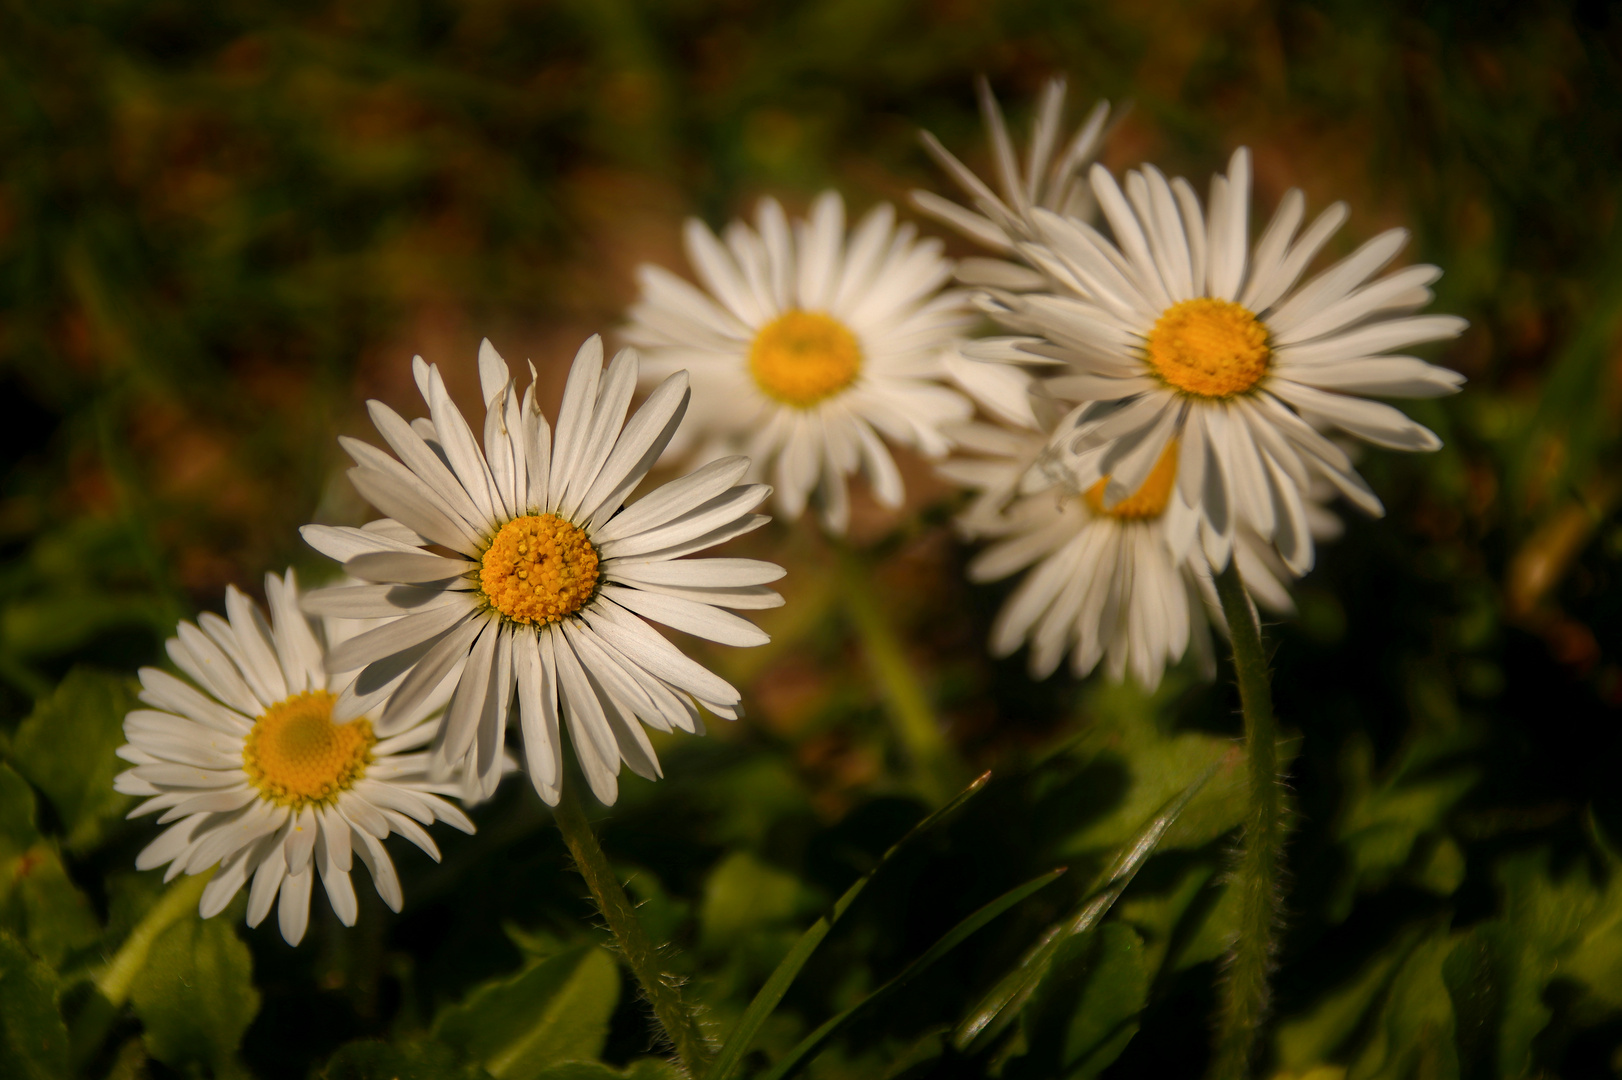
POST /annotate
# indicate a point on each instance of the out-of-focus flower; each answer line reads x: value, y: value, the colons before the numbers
x: 260, y: 774
x: 1049, y: 178
x: 550, y: 576
x: 807, y: 346
x: 1124, y: 585
x: 1179, y: 334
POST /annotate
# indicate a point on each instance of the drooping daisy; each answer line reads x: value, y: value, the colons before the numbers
x: 1124, y: 585
x: 260, y: 774
x: 1049, y: 179
x: 544, y: 577
x: 1178, y: 333
x: 807, y: 346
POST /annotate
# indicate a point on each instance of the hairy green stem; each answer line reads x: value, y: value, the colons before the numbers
x: 1245, y: 993
x: 673, y: 1015
x: 936, y: 772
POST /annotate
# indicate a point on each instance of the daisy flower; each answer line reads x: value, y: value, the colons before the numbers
x: 256, y: 771
x: 807, y: 346
x: 1050, y: 179
x: 517, y: 559
x: 1179, y: 333
x: 1124, y: 585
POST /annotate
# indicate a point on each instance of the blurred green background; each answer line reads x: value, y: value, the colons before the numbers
x: 224, y: 226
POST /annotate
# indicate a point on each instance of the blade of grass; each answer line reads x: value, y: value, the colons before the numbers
x: 743, y: 1035
x: 1003, y: 1002
x: 814, y: 1042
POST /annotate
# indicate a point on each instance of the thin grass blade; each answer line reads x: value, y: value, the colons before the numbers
x: 1004, y: 1001
x: 743, y: 1035
x: 814, y: 1042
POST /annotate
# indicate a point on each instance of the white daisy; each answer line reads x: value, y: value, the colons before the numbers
x: 548, y: 576
x: 1051, y: 180
x: 807, y: 346
x: 260, y: 775
x: 1124, y: 585
x: 1179, y: 331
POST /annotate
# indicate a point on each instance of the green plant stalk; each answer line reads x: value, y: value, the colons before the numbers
x: 673, y: 1015
x: 95, y: 1017
x: 116, y: 978
x: 1245, y: 992
x: 936, y: 773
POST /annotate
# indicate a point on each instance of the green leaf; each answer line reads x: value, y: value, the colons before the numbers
x: 645, y: 1069
x: 33, y: 1039
x: 742, y: 1036
x: 744, y: 894
x: 1153, y: 768
x: 814, y: 1042
x: 195, y: 994
x: 554, y: 1011
x: 1005, y: 1000
x: 66, y: 749
x: 1104, y: 1017
x: 1311, y: 1038
x: 38, y: 902
x: 1413, y: 1035
x: 408, y: 1061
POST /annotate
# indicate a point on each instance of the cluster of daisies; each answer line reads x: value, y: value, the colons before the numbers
x: 1162, y: 398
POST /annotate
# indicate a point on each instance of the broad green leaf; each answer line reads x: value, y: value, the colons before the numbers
x: 33, y: 1039
x: 645, y: 1069
x: 743, y: 894
x: 195, y: 994
x: 403, y: 1061
x: 1104, y: 1017
x: 38, y: 902
x: 1128, y: 746
x: 1310, y: 1038
x: 1476, y: 975
x: 1004, y: 1000
x: 814, y: 1042
x: 66, y: 749
x: 554, y: 1011
x: 1413, y: 1035
x: 1383, y: 817
x: 742, y: 1036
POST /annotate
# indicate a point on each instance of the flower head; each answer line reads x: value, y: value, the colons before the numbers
x: 807, y: 346
x: 1122, y: 585
x: 1179, y: 333
x: 544, y: 577
x: 259, y: 768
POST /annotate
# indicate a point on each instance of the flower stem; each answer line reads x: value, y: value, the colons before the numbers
x: 936, y: 772
x: 1245, y: 993
x: 673, y: 1015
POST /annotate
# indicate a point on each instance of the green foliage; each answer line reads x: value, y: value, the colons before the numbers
x: 223, y: 227
x: 38, y: 902
x: 66, y: 750
x: 33, y: 1039
x: 553, y: 1012
x: 195, y: 995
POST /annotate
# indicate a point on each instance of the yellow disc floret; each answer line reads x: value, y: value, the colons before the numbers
x: 538, y: 569
x: 802, y: 357
x: 295, y: 755
x: 1210, y: 348
x: 1150, y: 500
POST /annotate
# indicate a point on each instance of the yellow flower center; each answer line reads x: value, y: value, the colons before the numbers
x: 538, y: 569
x: 1212, y: 348
x: 802, y: 357
x: 295, y: 755
x: 1150, y: 500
